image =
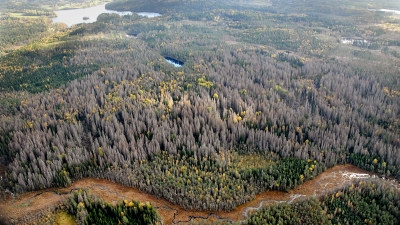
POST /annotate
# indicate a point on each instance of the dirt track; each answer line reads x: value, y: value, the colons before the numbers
x: 13, y: 209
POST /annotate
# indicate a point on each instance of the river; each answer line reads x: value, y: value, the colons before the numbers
x: 27, y: 205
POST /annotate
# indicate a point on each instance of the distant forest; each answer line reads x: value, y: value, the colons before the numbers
x: 266, y: 99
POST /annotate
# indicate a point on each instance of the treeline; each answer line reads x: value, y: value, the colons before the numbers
x: 15, y: 31
x: 90, y: 209
x: 369, y: 202
x: 169, y: 7
x: 51, y: 72
x: 44, y: 64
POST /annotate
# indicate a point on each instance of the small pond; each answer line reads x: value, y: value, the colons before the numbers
x: 174, y: 62
x: 149, y: 14
x: 354, y: 41
x: 386, y: 10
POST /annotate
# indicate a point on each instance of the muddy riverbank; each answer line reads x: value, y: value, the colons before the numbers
x: 35, y: 203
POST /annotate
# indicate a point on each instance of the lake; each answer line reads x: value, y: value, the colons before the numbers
x: 89, y: 15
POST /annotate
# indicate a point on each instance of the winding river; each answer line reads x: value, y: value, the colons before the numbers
x: 27, y: 206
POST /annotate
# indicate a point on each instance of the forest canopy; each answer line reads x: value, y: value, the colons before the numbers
x: 367, y: 202
x: 268, y: 96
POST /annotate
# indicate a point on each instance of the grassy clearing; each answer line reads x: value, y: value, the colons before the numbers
x: 250, y: 161
x: 63, y: 218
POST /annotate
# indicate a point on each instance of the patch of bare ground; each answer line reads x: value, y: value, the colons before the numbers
x: 35, y: 203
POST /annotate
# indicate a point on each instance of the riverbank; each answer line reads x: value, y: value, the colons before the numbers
x: 35, y: 203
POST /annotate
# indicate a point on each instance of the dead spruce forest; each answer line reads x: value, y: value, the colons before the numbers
x: 268, y: 94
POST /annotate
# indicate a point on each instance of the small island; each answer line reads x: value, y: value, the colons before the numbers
x: 85, y: 18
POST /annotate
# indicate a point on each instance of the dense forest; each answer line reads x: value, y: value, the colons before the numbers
x: 268, y: 96
x: 367, y: 202
x: 90, y: 209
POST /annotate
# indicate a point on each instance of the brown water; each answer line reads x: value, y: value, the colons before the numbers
x: 36, y: 202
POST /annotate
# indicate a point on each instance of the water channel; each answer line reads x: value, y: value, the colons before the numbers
x: 33, y: 203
